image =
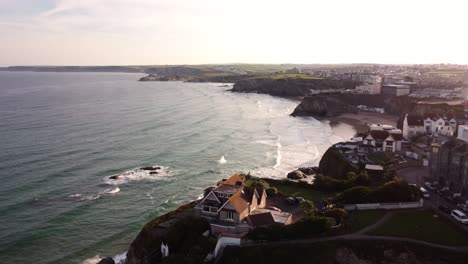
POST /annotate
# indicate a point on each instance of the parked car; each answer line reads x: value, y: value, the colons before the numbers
x: 430, y: 186
x: 273, y: 208
x: 444, y: 209
x: 299, y: 199
x: 464, y: 207
x: 459, y: 216
x: 291, y: 200
x: 424, y: 193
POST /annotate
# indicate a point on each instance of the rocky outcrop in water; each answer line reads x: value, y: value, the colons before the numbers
x: 107, y: 260
x: 296, y: 175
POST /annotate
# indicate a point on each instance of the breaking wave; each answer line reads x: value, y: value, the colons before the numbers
x: 222, y: 160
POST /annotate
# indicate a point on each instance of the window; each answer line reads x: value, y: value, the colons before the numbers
x: 389, y: 149
x: 213, y: 209
x: 230, y: 215
x: 206, y: 208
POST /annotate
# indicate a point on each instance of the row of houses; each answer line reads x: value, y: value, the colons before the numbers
x: 430, y: 124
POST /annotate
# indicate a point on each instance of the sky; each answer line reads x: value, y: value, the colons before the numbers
x: 153, y: 32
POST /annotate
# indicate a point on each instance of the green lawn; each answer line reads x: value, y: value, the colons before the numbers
x: 422, y: 225
x: 289, y: 188
x: 298, y: 191
x: 357, y: 220
x: 288, y: 76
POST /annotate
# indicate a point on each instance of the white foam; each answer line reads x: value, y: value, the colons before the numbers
x: 91, y: 197
x: 118, y: 259
x: 93, y: 260
x: 138, y: 175
x: 222, y: 160
x: 75, y: 195
x: 112, y: 190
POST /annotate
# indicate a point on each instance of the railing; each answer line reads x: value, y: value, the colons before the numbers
x: 388, y: 206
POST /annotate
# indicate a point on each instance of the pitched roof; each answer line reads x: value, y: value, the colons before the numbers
x: 239, y: 201
x: 415, y: 120
x: 261, y: 219
x: 397, y: 136
x: 379, y: 134
x: 234, y: 179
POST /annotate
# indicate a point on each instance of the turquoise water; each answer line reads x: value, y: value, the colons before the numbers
x: 63, y: 134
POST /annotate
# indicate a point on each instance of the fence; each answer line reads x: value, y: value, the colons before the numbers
x: 388, y: 206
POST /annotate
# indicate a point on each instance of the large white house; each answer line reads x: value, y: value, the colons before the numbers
x: 383, y: 140
x: 429, y: 124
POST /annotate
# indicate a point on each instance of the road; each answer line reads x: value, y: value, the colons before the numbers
x: 416, y: 175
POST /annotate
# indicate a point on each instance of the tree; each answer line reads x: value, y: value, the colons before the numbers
x: 357, y: 194
x: 337, y: 213
x: 308, y: 207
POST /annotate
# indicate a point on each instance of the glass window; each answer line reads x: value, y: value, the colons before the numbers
x: 230, y: 215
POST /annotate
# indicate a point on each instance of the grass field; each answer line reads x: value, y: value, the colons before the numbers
x: 288, y: 76
x: 295, y: 189
x: 358, y: 220
x: 298, y: 191
x: 422, y: 225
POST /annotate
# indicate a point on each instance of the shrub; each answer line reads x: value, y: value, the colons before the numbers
x: 308, y: 206
x: 272, y: 191
x: 338, y: 214
x: 260, y: 184
x: 357, y: 194
x: 393, y: 191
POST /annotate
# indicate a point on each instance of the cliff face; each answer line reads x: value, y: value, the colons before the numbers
x: 330, y: 105
x: 289, y: 87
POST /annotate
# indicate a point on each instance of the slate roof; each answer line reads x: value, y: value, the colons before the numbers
x: 415, y: 120
x: 261, y: 219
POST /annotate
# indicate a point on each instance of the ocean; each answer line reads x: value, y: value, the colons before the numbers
x: 62, y: 135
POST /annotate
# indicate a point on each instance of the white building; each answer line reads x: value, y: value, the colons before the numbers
x: 463, y: 132
x: 431, y: 124
x: 382, y: 140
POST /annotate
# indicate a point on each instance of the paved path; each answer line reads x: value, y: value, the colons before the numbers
x: 374, y: 225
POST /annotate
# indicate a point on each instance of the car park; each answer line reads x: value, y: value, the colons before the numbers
x: 463, y: 207
x: 459, y: 216
x: 444, y: 208
x: 430, y: 186
x: 424, y: 193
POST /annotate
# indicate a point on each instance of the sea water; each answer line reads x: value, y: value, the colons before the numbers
x: 62, y: 135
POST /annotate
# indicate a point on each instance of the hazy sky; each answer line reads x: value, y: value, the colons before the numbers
x: 127, y: 32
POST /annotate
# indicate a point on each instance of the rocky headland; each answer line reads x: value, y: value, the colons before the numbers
x: 290, y: 86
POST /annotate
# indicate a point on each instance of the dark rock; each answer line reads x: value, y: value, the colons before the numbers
x: 150, y: 168
x: 296, y: 175
x: 308, y: 170
x: 153, y: 172
x: 114, y: 177
x: 107, y: 260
